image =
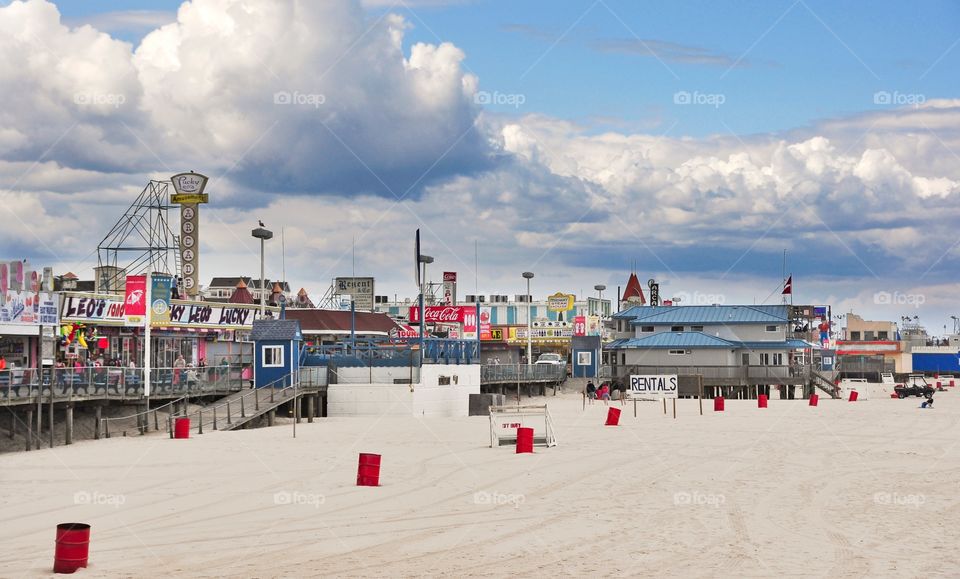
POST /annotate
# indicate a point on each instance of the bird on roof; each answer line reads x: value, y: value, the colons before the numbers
x: 260, y: 221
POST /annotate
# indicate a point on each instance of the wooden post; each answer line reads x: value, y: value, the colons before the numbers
x: 13, y: 424
x: 664, y: 406
x: 50, y: 418
x: 156, y: 423
x: 674, y: 408
x: 229, y: 421
x: 243, y: 411
x: 38, y: 439
x: 309, y: 409
x: 634, y: 407
x: 256, y: 399
x: 700, y: 384
x: 68, y: 437
x: 214, y: 417
x: 271, y: 416
x: 97, y: 411
x: 199, y: 421
x: 29, y: 432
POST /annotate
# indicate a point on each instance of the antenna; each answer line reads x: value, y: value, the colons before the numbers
x: 283, y: 258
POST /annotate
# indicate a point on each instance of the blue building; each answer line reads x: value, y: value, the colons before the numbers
x: 277, y: 345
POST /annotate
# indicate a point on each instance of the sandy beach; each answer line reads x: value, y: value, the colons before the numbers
x: 842, y: 490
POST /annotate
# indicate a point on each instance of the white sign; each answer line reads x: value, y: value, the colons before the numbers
x: 653, y: 386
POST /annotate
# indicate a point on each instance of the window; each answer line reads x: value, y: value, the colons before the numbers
x: 868, y: 335
x: 778, y: 359
x: 273, y: 356
x: 773, y: 328
x: 646, y: 329
x: 677, y: 352
x: 676, y: 328
x: 623, y: 358
x: 855, y: 336
x: 696, y: 328
x: 883, y: 336
x: 764, y: 359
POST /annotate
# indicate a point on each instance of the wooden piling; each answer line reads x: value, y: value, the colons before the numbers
x: 271, y: 416
x: 29, y: 432
x: 98, y: 410
x: 68, y: 436
x: 309, y: 409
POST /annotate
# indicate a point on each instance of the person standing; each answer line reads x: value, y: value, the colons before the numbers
x: 178, y: 365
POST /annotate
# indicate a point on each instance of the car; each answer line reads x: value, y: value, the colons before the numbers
x: 549, y: 358
x: 905, y: 390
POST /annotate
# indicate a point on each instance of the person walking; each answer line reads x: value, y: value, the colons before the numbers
x: 591, y: 391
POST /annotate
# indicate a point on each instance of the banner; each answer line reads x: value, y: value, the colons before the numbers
x: 109, y: 310
x: 135, y: 300
x: 160, y: 290
x: 580, y: 326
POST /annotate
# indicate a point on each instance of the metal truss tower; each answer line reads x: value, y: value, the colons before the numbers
x: 140, y: 238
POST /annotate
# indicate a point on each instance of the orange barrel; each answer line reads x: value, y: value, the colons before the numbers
x: 762, y: 401
x: 718, y: 403
x: 814, y: 399
x: 853, y: 396
x: 524, y: 440
x: 181, y: 427
x: 368, y: 471
x: 613, y: 416
x: 73, y: 544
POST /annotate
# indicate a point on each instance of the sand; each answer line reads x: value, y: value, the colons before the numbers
x: 841, y: 490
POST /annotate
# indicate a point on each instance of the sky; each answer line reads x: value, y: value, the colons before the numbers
x: 693, y: 142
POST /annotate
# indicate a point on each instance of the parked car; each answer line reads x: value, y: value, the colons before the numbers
x: 905, y: 390
x: 550, y: 358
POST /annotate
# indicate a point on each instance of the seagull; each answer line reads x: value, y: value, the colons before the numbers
x: 261, y: 223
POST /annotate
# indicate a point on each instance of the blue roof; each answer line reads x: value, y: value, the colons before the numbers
x: 677, y: 340
x: 706, y: 315
x: 669, y: 340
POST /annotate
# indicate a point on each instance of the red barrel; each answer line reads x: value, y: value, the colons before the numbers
x: 952, y: 383
x: 524, y: 440
x: 613, y: 416
x: 181, y: 427
x: 73, y: 544
x: 762, y: 401
x: 814, y: 399
x: 853, y: 396
x: 368, y: 471
x: 718, y: 403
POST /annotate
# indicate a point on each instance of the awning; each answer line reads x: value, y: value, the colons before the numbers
x: 19, y: 330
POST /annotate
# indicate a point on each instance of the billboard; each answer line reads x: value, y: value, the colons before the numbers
x: 135, y: 300
x: 449, y: 288
x: 560, y: 302
x: 360, y: 290
x: 444, y: 314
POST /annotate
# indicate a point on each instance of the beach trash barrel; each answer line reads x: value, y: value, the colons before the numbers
x: 368, y: 471
x: 524, y: 440
x: 853, y: 395
x: 72, y: 547
x: 181, y: 427
x: 952, y: 383
x: 814, y: 399
x: 762, y: 401
x: 718, y: 403
x: 613, y: 416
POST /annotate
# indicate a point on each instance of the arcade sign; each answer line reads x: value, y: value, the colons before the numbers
x: 189, y: 194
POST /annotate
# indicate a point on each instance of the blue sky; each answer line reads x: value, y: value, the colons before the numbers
x: 697, y: 140
x: 779, y: 65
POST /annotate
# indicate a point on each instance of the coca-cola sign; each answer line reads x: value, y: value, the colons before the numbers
x: 443, y: 314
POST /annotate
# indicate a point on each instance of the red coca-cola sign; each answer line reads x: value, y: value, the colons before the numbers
x: 442, y: 314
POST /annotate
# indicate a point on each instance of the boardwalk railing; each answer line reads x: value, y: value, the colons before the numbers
x: 20, y: 386
x: 522, y: 373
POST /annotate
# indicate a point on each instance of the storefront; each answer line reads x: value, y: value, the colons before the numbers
x: 95, y: 327
x: 22, y: 314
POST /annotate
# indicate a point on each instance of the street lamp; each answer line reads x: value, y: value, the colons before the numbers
x: 528, y: 275
x: 263, y: 235
x: 424, y: 260
x: 600, y: 287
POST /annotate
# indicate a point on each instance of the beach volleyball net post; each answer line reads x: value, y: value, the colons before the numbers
x: 505, y: 420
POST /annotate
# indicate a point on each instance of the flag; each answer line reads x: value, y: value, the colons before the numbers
x: 788, y: 286
x: 160, y: 290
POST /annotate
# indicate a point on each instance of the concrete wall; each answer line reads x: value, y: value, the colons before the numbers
x: 375, y: 375
x: 426, y: 398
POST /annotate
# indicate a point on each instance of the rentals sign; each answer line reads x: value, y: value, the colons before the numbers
x: 653, y: 386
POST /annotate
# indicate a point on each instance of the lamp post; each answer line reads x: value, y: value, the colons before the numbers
x: 424, y: 260
x: 528, y: 275
x: 600, y: 287
x: 263, y: 235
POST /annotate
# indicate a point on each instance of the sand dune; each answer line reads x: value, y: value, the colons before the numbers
x: 842, y: 490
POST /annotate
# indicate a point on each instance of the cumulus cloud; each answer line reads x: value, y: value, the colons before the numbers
x: 315, y: 114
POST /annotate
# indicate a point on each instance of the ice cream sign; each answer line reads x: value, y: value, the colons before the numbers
x: 560, y: 302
